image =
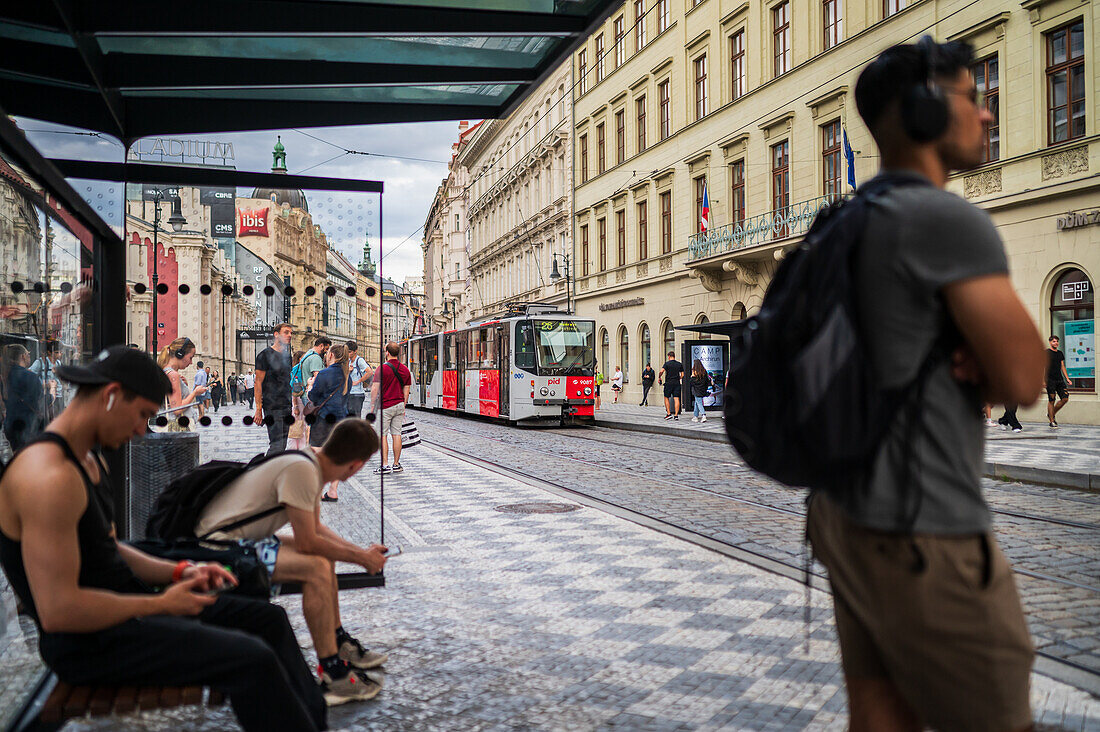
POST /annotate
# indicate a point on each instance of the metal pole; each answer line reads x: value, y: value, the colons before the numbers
x: 224, y: 376
x: 156, y: 278
x: 381, y: 336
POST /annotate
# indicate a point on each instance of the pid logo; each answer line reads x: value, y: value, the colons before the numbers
x: 552, y: 382
x: 252, y: 222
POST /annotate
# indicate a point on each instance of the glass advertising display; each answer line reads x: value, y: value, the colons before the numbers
x: 1080, y: 348
x: 715, y: 358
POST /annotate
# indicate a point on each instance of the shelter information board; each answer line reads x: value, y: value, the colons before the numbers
x: 1080, y: 345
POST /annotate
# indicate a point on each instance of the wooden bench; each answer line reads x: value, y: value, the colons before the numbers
x: 67, y: 701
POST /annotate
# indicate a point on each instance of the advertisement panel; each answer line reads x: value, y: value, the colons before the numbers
x: 223, y: 220
x: 252, y: 221
x: 714, y: 356
x: 1080, y: 345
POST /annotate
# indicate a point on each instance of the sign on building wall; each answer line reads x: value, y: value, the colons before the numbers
x: 1080, y: 343
x: 252, y: 221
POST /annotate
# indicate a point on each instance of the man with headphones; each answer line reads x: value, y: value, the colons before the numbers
x: 931, y: 628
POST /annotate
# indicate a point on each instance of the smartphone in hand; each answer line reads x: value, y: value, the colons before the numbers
x: 393, y: 551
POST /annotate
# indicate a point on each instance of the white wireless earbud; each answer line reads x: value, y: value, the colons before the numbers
x: 110, y: 402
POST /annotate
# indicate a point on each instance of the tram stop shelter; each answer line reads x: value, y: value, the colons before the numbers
x: 127, y: 70
x: 714, y: 355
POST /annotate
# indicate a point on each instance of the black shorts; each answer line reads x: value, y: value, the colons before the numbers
x: 1057, y: 388
x: 672, y: 391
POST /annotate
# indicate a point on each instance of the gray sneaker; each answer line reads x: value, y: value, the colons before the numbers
x: 353, y: 652
x: 350, y: 687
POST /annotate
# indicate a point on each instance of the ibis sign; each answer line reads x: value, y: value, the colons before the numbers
x: 252, y: 221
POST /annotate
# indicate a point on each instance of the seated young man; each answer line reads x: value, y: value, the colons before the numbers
x: 99, y: 620
x: 309, y: 553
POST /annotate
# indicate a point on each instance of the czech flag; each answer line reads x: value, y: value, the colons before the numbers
x: 704, y: 220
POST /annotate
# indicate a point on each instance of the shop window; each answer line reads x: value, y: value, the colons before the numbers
x: 605, y: 352
x: 624, y: 354
x: 646, y: 346
x: 669, y: 340
x: 1072, y: 320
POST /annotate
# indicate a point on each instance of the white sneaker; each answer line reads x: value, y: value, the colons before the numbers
x: 990, y: 423
x: 694, y: 419
x: 703, y: 418
x: 1018, y: 429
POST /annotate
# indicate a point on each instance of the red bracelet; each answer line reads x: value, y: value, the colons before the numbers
x: 181, y: 565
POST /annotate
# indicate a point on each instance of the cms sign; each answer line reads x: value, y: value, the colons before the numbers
x: 252, y: 221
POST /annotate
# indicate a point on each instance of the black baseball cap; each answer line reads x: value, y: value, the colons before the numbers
x: 134, y: 369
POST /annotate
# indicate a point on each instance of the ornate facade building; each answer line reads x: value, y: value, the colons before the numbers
x: 338, y: 306
x: 751, y: 102
x: 520, y: 201
x: 368, y: 309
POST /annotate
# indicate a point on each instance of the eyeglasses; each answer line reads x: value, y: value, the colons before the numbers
x: 973, y: 94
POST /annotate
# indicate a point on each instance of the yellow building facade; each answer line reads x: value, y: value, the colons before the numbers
x: 752, y: 100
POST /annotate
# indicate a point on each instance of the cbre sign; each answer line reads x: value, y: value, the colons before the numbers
x: 252, y: 221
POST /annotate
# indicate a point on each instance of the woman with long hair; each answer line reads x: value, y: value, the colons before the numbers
x: 700, y: 383
x: 217, y: 390
x: 297, y: 437
x: 330, y: 395
x: 24, y: 410
x: 175, y: 356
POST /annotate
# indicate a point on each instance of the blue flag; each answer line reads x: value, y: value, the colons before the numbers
x: 850, y: 160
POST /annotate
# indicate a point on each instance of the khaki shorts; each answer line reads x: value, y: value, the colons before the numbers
x: 393, y: 419
x: 952, y: 639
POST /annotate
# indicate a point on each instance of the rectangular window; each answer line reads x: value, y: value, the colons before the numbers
x: 987, y: 79
x: 832, y: 16
x: 620, y: 232
x: 781, y: 180
x: 830, y: 160
x: 456, y: 222
x: 700, y: 189
x: 584, y: 250
x: 601, y: 150
x: 639, y: 25
x: 662, y: 16
x: 781, y: 37
x: 666, y: 222
x: 582, y: 69
x: 737, y: 191
x: 620, y: 136
x: 620, y: 41
x: 599, y: 59
x: 1066, y: 82
x: 737, y: 64
x: 889, y: 7
x: 666, y: 111
x: 639, y: 106
x: 584, y: 158
x: 701, y: 87
x: 601, y: 236
x: 643, y: 231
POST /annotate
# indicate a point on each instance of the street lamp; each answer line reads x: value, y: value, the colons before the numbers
x: 555, y: 276
x: 177, y: 221
x: 227, y: 291
x: 450, y: 307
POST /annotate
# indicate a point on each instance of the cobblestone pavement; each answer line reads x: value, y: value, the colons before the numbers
x: 1070, y: 448
x: 658, y: 476
x: 578, y: 620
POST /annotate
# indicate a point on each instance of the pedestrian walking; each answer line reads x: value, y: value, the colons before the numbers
x: 361, y: 372
x: 617, y: 383
x: 297, y: 436
x: 272, y: 388
x: 599, y: 382
x: 700, y: 384
x: 648, y: 377
x: 217, y: 390
x: 43, y: 368
x: 233, y: 385
x: 391, y: 391
x: 670, y: 375
x: 173, y: 358
x: 24, y: 412
x: 1057, y: 381
x: 249, y: 383
x: 202, y: 378
x: 329, y: 394
x: 1009, y: 421
x: 932, y: 633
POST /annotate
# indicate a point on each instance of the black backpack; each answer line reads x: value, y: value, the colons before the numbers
x: 802, y: 402
x: 179, y: 507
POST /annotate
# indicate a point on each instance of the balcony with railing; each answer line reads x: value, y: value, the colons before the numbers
x: 767, y: 228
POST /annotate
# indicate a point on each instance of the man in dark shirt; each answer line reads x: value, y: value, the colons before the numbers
x: 1057, y: 380
x: 648, y: 377
x: 100, y: 622
x: 670, y: 376
x: 273, y: 388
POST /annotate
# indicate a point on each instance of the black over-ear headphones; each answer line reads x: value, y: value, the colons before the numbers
x: 182, y: 350
x: 924, y: 109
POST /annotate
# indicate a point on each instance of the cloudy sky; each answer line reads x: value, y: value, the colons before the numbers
x: 410, y: 159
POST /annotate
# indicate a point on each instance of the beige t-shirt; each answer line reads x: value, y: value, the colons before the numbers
x: 290, y: 480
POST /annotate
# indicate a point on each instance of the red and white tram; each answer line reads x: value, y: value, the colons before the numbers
x: 537, y: 366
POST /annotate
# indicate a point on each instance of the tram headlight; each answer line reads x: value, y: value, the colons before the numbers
x: 544, y: 391
x: 588, y: 391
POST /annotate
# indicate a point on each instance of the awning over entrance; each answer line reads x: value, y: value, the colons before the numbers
x: 133, y: 69
x: 728, y: 328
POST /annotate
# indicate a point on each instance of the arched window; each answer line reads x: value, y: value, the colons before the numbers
x: 605, y: 351
x: 668, y: 338
x: 1071, y: 319
x: 702, y: 320
x: 739, y: 312
x: 624, y: 353
x: 646, y: 347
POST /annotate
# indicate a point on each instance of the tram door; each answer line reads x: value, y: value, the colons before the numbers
x: 430, y: 356
x: 460, y: 365
x: 504, y: 364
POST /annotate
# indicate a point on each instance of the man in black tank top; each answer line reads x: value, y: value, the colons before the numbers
x: 100, y: 622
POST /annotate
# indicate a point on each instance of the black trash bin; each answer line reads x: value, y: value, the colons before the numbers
x: 155, y: 460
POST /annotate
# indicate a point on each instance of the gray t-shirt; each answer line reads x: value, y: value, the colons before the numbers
x: 918, y: 240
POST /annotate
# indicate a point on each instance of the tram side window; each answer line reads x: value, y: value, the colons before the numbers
x: 525, y: 347
x: 431, y: 358
x: 473, y: 351
x: 449, y: 352
x: 488, y: 349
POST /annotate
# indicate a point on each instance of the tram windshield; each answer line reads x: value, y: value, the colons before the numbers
x: 565, y: 346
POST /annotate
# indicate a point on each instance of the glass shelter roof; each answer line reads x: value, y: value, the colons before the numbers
x: 133, y: 69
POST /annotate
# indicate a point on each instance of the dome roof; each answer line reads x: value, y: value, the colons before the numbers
x: 294, y: 197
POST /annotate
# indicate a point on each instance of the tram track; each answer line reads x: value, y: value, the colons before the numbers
x: 1064, y: 669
